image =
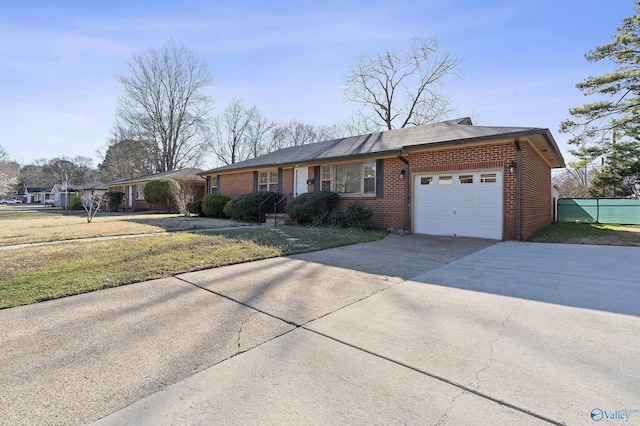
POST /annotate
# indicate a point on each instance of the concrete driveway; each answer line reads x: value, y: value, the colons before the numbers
x: 413, y: 329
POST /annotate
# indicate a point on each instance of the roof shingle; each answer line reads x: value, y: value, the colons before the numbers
x: 452, y: 131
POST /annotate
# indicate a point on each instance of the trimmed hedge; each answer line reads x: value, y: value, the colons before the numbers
x: 213, y: 205
x: 76, y: 203
x: 312, y: 207
x: 245, y: 207
x: 339, y: 218
x: 358, y: 214
x: 114, y: 199
x: 195, y: 207
x: 160, y: 191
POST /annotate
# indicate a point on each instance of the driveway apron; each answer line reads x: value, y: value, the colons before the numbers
x: 409, y: 329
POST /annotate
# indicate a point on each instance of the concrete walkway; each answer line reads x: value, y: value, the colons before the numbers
x: 413, y: 329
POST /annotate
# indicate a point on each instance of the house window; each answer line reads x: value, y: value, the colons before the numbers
x: 139, y: 192
x: 426, y: 180
x: 213, y: 182
x: 268, y: 181
x: 465, y: 179
x: 488, y: 178
x: 370, y: 178
x: 445, y: 180
x: 355, y: 178
x: 325, y: 178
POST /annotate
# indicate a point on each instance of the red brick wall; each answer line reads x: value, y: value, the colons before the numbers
x: 235, y: 184
x: 287, y: 181
x: 387, y: 211
x: 536, y: 192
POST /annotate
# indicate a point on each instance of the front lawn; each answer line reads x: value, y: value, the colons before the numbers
x: 589, y: 233
x: 33, y: 274
x: 25, y: 225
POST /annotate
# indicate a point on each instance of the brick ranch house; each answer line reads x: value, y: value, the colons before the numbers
x: 446, y: 178
x: 133, y: 189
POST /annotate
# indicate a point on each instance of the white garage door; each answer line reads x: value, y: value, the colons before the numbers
x: 464, y: 204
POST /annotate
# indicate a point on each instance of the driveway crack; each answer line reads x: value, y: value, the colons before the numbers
x: 446, y: 413
x: 492, y: 347
x: 241, y: 327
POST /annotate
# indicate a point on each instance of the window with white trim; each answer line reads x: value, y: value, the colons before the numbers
x: 213, y: 185
x: 325, y: 178
x: 428, y: 180
x: 268, y: 181
x: 445, y: 180
x: 462, y: 179
x: 488, y: 178
x: 355, y: 178
x: 139, y: 192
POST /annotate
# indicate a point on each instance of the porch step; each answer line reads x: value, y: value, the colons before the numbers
x: 270, y: 219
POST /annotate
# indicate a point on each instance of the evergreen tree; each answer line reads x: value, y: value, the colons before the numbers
x: 608, y: 128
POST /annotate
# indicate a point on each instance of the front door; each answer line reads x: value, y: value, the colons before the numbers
x: 301, y: 175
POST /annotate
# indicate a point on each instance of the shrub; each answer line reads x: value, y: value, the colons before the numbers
x: 76, y: 203
x: 213, y: 205
x: 195, y: 207
x: 358, y: 214
x: 339, y: 218
x: 113, y: 200
x: 312, y: 207
x: 160, y: 190
x: 246, y: 207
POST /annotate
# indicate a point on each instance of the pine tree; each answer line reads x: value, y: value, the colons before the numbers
x: 609, y: 127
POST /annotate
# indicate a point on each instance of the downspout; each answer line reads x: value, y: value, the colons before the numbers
x: 406, y: 192
x: 518, y: 186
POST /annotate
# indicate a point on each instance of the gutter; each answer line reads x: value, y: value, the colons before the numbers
x: 406, y: 192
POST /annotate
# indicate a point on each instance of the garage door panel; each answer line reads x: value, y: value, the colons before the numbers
x: 462, y: 209
x: 488, y: 212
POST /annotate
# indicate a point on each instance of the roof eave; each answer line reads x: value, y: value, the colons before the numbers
x: 457, y: 142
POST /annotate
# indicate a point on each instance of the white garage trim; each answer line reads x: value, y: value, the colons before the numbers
x: 463, y: 204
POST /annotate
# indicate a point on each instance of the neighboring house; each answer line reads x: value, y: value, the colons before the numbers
x: 96, y: 187
x: 54, y: 196
x: 30, y: 194
x: 133, y: 189
x: 447, y: 178
x: 44, y: 197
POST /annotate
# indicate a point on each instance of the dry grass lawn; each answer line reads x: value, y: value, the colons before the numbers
x: 589, y: 233
x: 32, y: 274
x: 24, y: 224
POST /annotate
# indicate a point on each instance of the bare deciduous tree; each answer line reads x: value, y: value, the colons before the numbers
x: 296, y: 133
x: 258, y: 135
x: 76, y: 170
x: 230, y: 131
x: 184, y: 194
x: 398, y: 89
x: 575, y: 180
x: 164, y: 106
x: 91, y: 201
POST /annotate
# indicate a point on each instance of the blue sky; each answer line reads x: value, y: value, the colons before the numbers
x: 522, y: 59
